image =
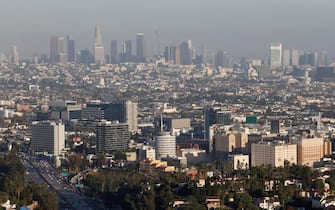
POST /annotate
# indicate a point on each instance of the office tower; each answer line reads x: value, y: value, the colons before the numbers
x: 274, y: 124
x: 287, y: 58
x: 295, y: 57
x: 56, y: 49
x: 275, y: 55
x: 323, y: 58
x: 85, y: 57
x: 71, y: 52
x: 165, y: 145
x: 48, y: 136
x: 156, y: 44
x: 132, y: 113
x: 15, y: 58
x: 204, y: 54
x: 219, y: 58
x: 209, y: 119
x: 111, y: 137
x: 125, y: 112
x: 185, y: 53
x: 140, y: 47
x: 114, y: 52
x: 273, y: 153
x: 127, y: 51
x: 172, y: 55
x: 99, y: 50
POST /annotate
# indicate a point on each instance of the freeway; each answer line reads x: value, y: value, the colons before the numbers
x: 41, y: 170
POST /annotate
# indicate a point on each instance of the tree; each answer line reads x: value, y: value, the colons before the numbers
x: 318, y: 185
x: 242, y: 200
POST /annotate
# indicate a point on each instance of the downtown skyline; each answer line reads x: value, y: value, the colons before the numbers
x: 242, y: 29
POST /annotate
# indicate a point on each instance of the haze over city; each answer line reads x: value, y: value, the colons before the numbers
x: 242, y: 28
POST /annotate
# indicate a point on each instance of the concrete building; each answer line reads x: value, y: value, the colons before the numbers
x: 165, y: 145
x: 131, y: 116
x: 111, y: 137
x: 193, y: 155
x: 311, y: 149
x: 229, y: 142
x: 273, y: 153
x: 48, y: 136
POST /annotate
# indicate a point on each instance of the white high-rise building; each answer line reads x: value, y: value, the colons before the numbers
x: 131, y: 112
x: 273, y: 153
x: 156, y: 48
x: 15, y: 55
x: 99, y: 50
x: 48, y: 136
x: 275, y: 55
x: 165, y: 145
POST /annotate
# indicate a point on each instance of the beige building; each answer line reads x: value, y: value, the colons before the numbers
x: 311, y: 149
x: 273, y: 153
x: 230, y: 142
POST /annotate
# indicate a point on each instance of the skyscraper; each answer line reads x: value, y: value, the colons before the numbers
x: 56, y: 49
x: 127, y: 51
x: 71, y: 52
x: 114, y: 52
x: 15, y: 57
x: 286, y: 58
x: 156, y: 50
x: 185, y: 53
x: 99, y: 50
x: 48, y: 136
x: 131, y: 112
x: 275, y: 55
x: 295, y: 58
x: 140, y: 47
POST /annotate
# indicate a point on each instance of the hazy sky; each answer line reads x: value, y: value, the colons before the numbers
x: 241, y: 27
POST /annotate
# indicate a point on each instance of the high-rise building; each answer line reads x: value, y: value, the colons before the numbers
x: 140, y: 47
x: 48, y: 136
x: 274, y: 126
x: 114, y: 59
x: 273, y: 153
x: 15, y: 58
x: 85, y: 57
x: 71, y: 52
x: 287, y: 58
x: 132, y: 113
x: 185, y: 53
x: 56, y: 49
x: 275, y: 55
x: 127, y: 52
x: 156, y: 44
x: 165, y: 145
x: 111, y: 137
x: 323, y: 58
x: 99, y: 50
x: 295, y: 58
